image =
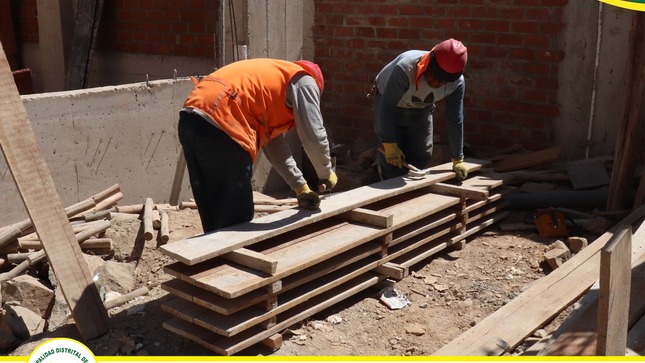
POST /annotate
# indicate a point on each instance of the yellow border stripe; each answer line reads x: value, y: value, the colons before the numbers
x: 241, y: 359
x: 626, y: 4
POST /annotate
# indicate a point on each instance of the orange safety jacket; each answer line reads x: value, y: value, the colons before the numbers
x: 247, y: 100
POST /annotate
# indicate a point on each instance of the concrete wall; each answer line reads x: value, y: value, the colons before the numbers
x: 94, y: 138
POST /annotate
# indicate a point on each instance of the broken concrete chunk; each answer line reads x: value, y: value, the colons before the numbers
x: 21, y: 322
x: 31, y: 293
x: 557, y: 256
x: 576, y: 244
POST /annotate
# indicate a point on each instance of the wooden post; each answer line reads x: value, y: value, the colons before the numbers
x: 629, y: 140
x: 613, y: 300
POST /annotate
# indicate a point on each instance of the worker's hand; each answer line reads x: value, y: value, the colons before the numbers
x: 459, y: 168
x: 307, y: 198
x: 393, y: 155
x: 328, y: 184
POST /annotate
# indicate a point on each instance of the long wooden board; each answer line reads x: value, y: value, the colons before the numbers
x: 203, y: 247
x: 577, y: 334
x: 39, y: 193
x: 544, y: 299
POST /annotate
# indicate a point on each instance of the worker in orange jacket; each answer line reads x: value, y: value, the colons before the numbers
x: 239, y: 109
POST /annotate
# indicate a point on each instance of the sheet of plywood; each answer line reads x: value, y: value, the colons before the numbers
x: 544, y: 299
x: 38, y: 192
x: 200, y: 248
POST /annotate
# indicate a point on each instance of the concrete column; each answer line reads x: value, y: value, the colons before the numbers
x: 55, y: 27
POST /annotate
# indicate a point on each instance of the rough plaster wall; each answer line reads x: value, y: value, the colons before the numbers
x: 94, y: 138
x: 576, y: 78
x: 580, y: 136
x: 612, y: 82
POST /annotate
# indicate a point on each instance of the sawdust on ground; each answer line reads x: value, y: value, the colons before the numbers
x: 449, y: 293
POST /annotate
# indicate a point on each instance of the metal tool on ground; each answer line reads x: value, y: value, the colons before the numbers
x: 413, y: 171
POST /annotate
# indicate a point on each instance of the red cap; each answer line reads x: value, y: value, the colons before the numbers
x: 314, y: 70
x: 451, y: 55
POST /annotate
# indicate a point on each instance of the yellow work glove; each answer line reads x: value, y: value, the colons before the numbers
x: 393, y: 155
x: 306, y: 197
x: 459, y: 168
x: 328, y: 184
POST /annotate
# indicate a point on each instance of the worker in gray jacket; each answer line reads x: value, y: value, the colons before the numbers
x: 404, y: 96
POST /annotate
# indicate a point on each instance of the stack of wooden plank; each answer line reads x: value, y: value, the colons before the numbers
x: 243, y: 284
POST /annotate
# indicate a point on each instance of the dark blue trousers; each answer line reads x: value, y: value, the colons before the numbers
x: 219, y: 171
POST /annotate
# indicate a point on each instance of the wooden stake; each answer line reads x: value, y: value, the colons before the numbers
x: 164, y: 230
x: 147, y: 219
x: 156, y: 219
x: 118, y: 301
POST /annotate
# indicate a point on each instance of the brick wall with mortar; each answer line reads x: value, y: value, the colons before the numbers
x: 511, y: 76
x: 154, y: 27
x: 512, y: 71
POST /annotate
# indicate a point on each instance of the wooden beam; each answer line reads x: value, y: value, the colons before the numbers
x: 629, y: 141
x: 368, y: 216
x: 255, y: 260
x: 461, y: 191
x: 44, y: 206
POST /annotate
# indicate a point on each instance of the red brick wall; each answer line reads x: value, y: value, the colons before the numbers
x: 155, y: 27
x: 511, y: 76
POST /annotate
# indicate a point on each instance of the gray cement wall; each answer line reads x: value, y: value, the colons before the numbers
x: 94, y: 138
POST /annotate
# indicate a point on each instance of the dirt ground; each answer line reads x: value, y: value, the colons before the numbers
x: 449, y: 293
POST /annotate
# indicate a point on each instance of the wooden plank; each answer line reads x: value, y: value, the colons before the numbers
x: 367, y: 216
x: 39, y: 193
x: 461, y: 191
x: 544, y: 299
x: 527, y: 160
x: 230, y: 325
x: 440, y: 244
x: 226, y: 306
x: 577, y: 334
x: 613, y: 301
x: 203, y: 247
x: 228, y: 346
x: 252, y: 259
x: 315, y: 249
